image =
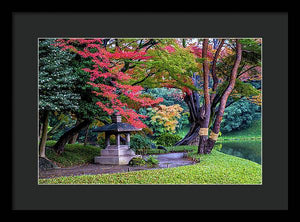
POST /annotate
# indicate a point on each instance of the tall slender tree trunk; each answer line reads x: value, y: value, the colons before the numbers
x: 216, y: 127
x: 40, y: 130
x: 86, y: 135
x: 205, y: 109
x: 60, y: 144
x: 42, y: 147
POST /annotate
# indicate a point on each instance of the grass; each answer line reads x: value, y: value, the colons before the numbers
x: 253, y: 132
x: 215, y: 168
x: 74, y: 154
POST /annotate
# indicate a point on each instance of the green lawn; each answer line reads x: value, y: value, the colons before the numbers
x: 215, y: 168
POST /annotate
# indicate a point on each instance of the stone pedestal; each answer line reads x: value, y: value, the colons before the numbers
x: 115, y: 155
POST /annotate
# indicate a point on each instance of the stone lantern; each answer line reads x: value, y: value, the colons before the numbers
x: 116, y: 154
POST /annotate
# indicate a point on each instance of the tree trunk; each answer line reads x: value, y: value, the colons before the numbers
x: 40, y: 130
x: 192, y: 137
x: 209, y: 145
x: 86, y: 135
x: 224, y: 98
x: 202, y: 144
x: 54, y: 129
x: 60, y: 145
x: 203, y: 117
x: 205, y: 109
x: 73, y: 139
x: 42, y: 147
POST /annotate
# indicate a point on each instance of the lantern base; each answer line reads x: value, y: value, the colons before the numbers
x: 115, y: 155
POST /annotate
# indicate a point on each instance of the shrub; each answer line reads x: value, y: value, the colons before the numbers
x: 140, y: 144
x: 151, y: 160
x: 168, y: 139
x: 137, y: 161
x: 239, y: 116
x: 164, y: 119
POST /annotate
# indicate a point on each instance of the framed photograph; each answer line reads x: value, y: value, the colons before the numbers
x: 150, y: 111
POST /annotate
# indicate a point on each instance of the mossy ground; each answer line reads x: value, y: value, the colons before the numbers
x: 74, y: 154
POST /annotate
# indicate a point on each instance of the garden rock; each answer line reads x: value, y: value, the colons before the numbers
x: 45, y: 164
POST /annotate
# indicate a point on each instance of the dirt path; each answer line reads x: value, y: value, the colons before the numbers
x: 165, y: 161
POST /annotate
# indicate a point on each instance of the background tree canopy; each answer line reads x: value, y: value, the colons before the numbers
x: 211, y: 84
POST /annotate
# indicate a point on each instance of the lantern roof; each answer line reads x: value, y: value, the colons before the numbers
x: 117, y: 126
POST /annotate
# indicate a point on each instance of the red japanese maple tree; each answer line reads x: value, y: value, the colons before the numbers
x: 109, y: 66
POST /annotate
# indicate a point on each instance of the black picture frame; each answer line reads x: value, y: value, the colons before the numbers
x: 273, y: 194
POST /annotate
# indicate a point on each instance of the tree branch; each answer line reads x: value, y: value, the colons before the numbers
x: 241, y: 73
x: 145, y: 78
x: 205, y: 74
x: 213, y: 70
x: 229, y: 88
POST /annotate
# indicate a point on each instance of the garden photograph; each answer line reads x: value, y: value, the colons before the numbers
x: 150, y: 111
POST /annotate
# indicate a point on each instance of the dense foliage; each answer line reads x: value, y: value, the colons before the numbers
x: 160, y: 85
x: 109, y: 66
x: 140, y: 143
x: 163, y: 119
x: 170, y: 96
x: 56, y: 78
x: 168, y: 139
x: 240, y: 115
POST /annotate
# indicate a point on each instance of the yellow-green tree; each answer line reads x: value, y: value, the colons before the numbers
x: 164, y: 119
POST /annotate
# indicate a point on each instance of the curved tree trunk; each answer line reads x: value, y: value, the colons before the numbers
x: 192, y: 137
x: 60, y: 144
x: 73, y: 139
x: 86, y: 135
x: 205, y: 109
x: 42, y: 147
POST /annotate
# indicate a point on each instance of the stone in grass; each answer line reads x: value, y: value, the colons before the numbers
x: 45, y: 164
